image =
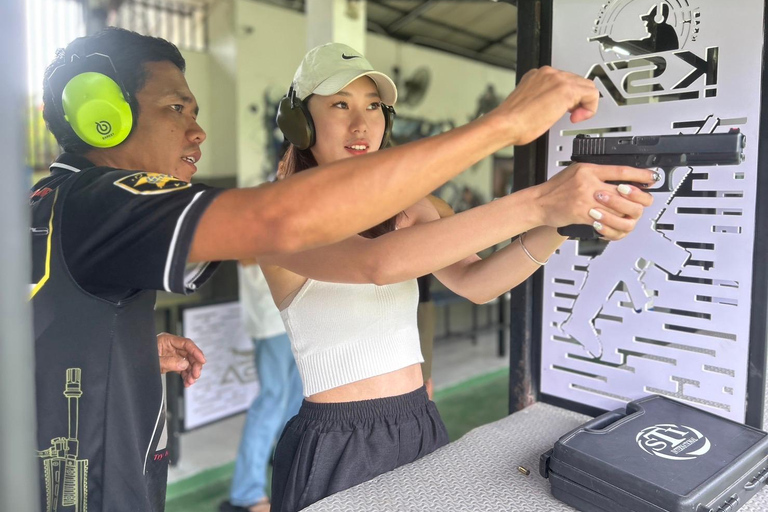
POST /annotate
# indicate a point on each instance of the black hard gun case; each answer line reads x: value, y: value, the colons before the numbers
x: 657, y: 455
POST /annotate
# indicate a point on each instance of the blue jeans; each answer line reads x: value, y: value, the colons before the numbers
x: 279, y: 399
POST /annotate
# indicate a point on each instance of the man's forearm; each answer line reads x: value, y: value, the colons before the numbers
x: 349, y: 196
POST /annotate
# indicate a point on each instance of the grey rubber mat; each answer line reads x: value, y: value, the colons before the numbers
x: 478, y: 472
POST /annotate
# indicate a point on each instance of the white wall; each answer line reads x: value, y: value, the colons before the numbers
x: 252, y: 64
x: 271, y: 42
x: 223, y: 79
x: 456, y: 83
x: 198, y: 77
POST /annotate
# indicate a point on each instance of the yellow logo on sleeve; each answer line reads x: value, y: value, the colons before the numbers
x: 150, y: 183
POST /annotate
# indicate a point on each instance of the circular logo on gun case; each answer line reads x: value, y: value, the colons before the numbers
x: 673, y: 442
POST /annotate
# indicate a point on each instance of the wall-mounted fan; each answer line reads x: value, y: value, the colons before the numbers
x: 411, y: 90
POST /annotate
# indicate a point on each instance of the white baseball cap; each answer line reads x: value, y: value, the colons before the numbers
x: 327, y: 69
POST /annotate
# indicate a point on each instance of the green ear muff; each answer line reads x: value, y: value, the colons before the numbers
x: 94, y: 106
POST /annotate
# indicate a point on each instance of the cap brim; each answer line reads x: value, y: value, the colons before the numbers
x: 335, y: 83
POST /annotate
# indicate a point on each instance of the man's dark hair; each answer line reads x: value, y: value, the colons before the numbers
x: 129, y: 52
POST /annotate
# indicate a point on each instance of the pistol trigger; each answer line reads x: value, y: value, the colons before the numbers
x: 665, y: 185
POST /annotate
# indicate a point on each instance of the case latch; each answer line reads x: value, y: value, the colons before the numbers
x: 731, y: 504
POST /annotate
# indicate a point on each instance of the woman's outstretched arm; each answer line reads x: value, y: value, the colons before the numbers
x: 432, y: 245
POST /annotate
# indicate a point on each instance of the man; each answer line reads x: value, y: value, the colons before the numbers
x: 104, y: 238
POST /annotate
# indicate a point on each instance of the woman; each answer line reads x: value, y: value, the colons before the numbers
x: 350, y: 308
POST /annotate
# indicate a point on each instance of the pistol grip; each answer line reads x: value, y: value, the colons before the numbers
x: 579, y: 231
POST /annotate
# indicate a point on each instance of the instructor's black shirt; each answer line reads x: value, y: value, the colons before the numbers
x: 103, y: 240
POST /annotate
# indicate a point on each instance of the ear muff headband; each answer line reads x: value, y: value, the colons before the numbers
x: 93, y: 101
x: 295, y: 121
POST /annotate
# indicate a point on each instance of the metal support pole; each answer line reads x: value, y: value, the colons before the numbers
x: 18, y: 470
x: 534, y: 49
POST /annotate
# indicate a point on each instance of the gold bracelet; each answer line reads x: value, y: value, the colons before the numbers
x: 527, y: 253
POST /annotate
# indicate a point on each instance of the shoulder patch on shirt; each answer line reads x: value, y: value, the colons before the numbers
x: 150, y: 183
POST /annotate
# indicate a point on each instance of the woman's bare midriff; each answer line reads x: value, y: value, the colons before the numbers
x: 394, y: 383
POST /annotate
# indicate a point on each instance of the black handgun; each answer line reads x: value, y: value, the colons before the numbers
x: 665, y: 152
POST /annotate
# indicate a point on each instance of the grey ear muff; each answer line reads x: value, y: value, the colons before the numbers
x: 295, y: 122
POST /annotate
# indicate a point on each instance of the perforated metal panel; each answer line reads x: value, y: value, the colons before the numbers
x: 668, y: 308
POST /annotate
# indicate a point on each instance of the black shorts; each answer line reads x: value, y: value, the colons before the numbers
x: 327, y: 448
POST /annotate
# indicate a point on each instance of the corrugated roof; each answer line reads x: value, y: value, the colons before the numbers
x: 483, y: 30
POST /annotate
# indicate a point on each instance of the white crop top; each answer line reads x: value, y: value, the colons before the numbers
x: 343, y: 333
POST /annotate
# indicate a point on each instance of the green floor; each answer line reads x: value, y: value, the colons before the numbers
x: 463, y: 407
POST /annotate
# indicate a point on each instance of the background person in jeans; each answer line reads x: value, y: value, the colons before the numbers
x: 425, y: 315
x: 279, y: 398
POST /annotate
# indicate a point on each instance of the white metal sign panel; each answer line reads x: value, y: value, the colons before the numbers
x: 667, y: 310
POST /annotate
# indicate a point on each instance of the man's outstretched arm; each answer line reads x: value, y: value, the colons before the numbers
x: 330, y: 203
